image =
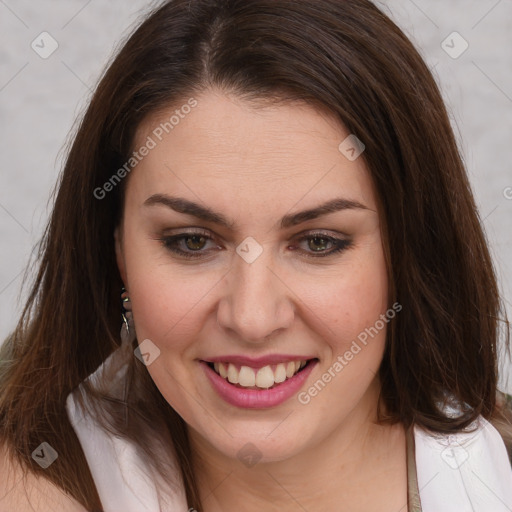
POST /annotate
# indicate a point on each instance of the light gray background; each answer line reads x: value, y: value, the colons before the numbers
x: 40, y: 99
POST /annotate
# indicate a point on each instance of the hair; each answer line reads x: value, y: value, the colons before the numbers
x: 346, y: 57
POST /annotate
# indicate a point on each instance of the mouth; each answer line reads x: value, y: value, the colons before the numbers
x: 258, y: 384
x: 263, y: 378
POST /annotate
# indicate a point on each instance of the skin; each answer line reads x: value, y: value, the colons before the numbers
x: 255, y: 163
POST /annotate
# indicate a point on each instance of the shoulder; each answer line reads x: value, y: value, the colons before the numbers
x: 482, y: 442
x: 30, y: 493
x: 504, y: 422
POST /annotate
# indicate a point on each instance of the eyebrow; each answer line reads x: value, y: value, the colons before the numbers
x: 182, y: 205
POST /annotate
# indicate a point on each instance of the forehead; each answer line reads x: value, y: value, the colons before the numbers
x: 227, y: 151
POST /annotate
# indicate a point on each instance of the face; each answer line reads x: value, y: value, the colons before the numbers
x: 246, y: 284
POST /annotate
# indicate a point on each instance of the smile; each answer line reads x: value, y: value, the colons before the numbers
x: 254, y: 378
x: 257, y: 386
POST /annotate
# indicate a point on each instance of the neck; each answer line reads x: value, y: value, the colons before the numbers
x: 357, y: 466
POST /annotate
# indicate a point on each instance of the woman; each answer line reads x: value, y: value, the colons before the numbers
x: 268, y: 198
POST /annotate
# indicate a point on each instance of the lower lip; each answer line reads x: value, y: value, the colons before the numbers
x: 256, y: 398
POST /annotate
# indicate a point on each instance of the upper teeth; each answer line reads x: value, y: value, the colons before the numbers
x: 264, y: 377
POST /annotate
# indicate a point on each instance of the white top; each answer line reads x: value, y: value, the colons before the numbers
x: 465, y: 472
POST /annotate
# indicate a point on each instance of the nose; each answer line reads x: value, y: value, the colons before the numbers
x: 256, y: 302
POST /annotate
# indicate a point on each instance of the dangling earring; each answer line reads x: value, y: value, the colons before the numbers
x: 127, y: 328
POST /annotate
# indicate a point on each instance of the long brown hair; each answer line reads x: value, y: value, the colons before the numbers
x: 344, y: 56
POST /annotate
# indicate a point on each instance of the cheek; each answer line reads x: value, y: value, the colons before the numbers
x: 165, y: 296
x: 169, y: 306
x: 348, y: 316
x: 169, y: 310
x: 350, y: 300
x: 365, y: 294
x: 359, y: 347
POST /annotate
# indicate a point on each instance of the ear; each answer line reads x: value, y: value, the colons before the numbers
x: 121, y: 263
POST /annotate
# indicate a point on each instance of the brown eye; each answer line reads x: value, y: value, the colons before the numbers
x: 321, y: 245
x: 318, y: 243
x: 188, y: 245
x: 195, y: 242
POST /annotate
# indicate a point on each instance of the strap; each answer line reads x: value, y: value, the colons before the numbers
x: 413, y: 494
x: 114, y: 465
x: 122, y: 478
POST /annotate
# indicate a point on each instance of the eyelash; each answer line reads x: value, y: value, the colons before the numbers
x: 169, y: 243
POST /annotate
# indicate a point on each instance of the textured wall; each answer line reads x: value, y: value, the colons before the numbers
x: 40, y: 98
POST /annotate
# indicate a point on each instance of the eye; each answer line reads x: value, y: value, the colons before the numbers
x: 193, y: 244
x: 318, y: 245
x: 188, y: 245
